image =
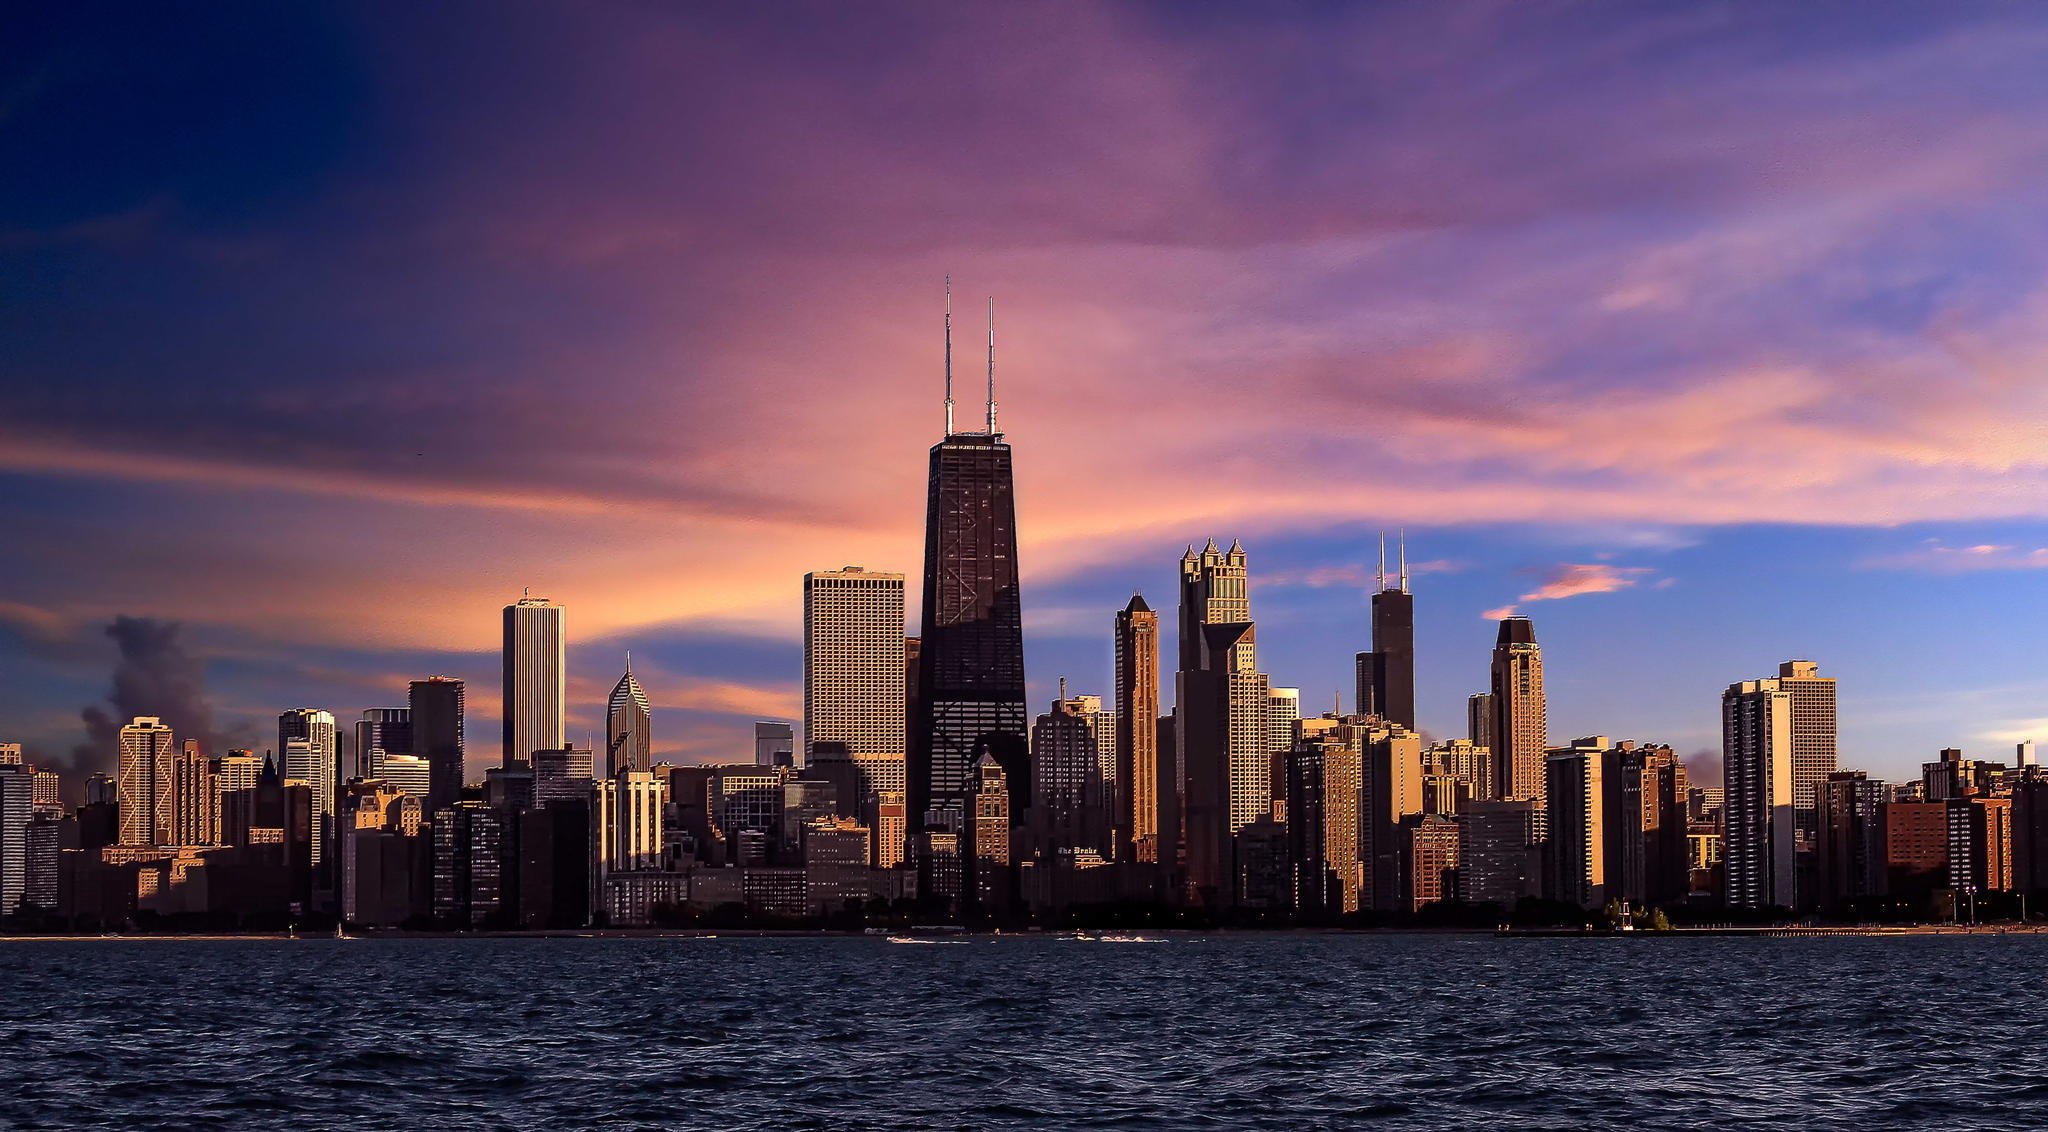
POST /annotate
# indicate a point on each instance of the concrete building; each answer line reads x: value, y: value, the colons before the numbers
x: 1386, y: 674
x: 1813, y: 736
x: 144, y: 778
x: 1069, y: 809
x: 774, y: 743
x: 1578, y: 805
x: 536, y: 679
x: 1849, y: 860
x: 854, y: 662
x: 629, y: 822
x: 17, y: 810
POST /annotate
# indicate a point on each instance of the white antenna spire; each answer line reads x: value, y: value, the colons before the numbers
x: 992, y: 365
x: 1381, y: 581
x: 949, y: 355
x: 1063, y: 687
x: 1404, y: 560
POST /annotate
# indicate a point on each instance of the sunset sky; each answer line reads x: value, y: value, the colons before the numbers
x: 1707, y: 336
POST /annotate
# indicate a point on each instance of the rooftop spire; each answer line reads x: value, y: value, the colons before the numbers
x: 949, y: 355
x: 1063, y: 687
x: 1381, y: 582
x: 992, y: 365
x: 1404, y: 560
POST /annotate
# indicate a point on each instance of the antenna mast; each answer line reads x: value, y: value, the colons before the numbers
x: 1404, y: 560
x: 949, y: 355
x: 992, y: 365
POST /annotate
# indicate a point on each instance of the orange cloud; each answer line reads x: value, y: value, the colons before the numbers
x: 1575, y: 579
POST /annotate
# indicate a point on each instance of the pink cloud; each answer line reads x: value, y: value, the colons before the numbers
x: 1575, y: 580
x: 1936, y: 557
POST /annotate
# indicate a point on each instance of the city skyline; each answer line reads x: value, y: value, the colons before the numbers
x: 1758, y: 385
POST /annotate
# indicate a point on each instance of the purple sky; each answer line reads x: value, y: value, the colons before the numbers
x: 1707, y: 335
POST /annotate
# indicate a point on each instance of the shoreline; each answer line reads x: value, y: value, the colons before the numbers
x: 1090, y: 934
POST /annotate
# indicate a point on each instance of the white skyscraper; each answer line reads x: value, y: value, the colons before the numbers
x: 17, y: 807
x: 853, y: 662
x: 305, y: 740
x: 536, y: 679
x: 143, y: 776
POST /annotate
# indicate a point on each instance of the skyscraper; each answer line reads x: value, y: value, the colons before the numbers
x: 192, y: 800
x: 1386, y: 675
x: 970, y: 698
x: 1521, y: 730
x: 1757, y: 813
x: 142, y: 778
x: 536, y: 679
x: 1137, y: 731
x: 1479, y: 719
x: 1224, y: 741
x: 435, y: 711
x: 386, y: 731
x: 1813, y: 736
x: 1068, y: 807
x: 628, y: 727
x: 1577, y: 797
x: 854, y: 662
x: 305, y: 741
x: 17, y: 809
x: 774, y: 743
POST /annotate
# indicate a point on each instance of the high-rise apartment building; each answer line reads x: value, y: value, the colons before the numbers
x: 1760, y: 832
x: 1521, y: 730
x: 628, y: 727
x: 193, y: 800
x: 1850, y: 846
x: 1386, y: 675
x: 1479, y: 719
x: 854, y: 661
x: 1499, y: 852
x: 1138, y: 768
x: 143, y: 777
x: 1390, y: 792
x: 17, y: 810
x: 536, y: 679
x: 1324, y: 776
x: 434, y: 708
x: 1577, y: 805
x: 1813, y: 735
x: 629, y: 821
x: 970, y: 696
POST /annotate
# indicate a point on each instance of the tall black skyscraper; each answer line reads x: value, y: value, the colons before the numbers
x: 435, y: 705
x: 970, y: 673
x: 1386, y: 675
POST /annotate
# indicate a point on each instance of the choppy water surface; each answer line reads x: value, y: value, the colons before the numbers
x: 1274, y: 1031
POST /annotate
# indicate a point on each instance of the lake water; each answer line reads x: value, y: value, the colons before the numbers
x: 1270, y: 1031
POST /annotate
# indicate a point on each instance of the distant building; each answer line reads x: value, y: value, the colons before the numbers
x: 144, y: 778
x: 1432, y: 859
x: 305, y: 742
x: 1916, y: 849
x: 628, y: 727
x: 381, y: 731
x: 1324, y: 776
x: 2030, y: 831
x: 1577, y: 808
x: 1521, y: 732
x: 1138, y: 768
x: 535, y: 656
x: 17, y: 809
x: 1069, y: 810
x: 1479, y: 722
x: 1499, y: 855
x: 435, y: 709
x: 854, y: 691
x: 774, y: 744
x: 1386, y: 675
x: 1761, y: 833
x: 1850, y: 839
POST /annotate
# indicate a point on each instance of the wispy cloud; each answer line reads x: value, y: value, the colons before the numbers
x: 1575, y: 579
x: 1937, y: 557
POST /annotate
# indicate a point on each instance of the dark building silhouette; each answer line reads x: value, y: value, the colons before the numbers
x: 970, y: 669
x: 2030, y: 832
x: 1386, y: 675
x: 1139, y: 770
x: 436, y: 718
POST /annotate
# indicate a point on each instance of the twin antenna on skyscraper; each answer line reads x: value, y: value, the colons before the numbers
x: 991, y: 360
x: 1404, y: 560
